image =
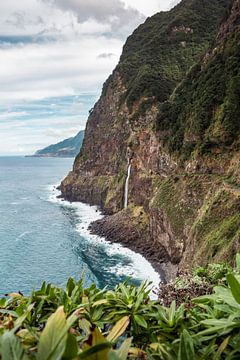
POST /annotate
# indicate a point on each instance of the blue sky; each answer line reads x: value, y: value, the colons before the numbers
x: 54, y: 57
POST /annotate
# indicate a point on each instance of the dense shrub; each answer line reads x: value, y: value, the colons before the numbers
x: 205, y: 107
x: 158, y: 54
x: 123, y: 323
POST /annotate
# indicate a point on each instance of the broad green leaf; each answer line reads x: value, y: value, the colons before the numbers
x: 3, y: 302
x: 96, y: 347
x: 96, y: 352
x: 235, y: 287
x: 53, y: 339
x: 11, y: 348
x: 186, y: 347
x: 118, y: 329
x: 71, y: 350
x: 140, y: 321
x: 113, y: 355
x: 226, y: 296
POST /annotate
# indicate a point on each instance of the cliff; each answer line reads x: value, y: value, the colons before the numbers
x: 66, y: 148
x: 171, y: 110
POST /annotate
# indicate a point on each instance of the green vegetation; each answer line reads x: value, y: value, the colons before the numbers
x: 124, y: 323
x: 217, y: 227
x: 179, y: 197
x: 66, y: 148
x: 203, y: 113
x: 157, y: 56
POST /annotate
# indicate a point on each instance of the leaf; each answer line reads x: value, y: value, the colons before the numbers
x: 96, y: 352
x: 18, y: 323
x: 71, y: 350
x: 222, y: 347
x: 113, y: 355
x: 186, y: 348
x: 226, y: 295
x: 238, y: 261
x: 235, y: 287
x: 96, y: 347
x: 11, y: 348
x: 100, y: 302
x: 15, y: 295
x: 85, y: 325
x: 70, y: 286
x: 53, y: 339
x: 172, y: 312
x: 137, y: 353
x: 118, y: 329
x: 141, y: 321
x: 122, y: 352
x: 3, y: 302
x: 9, y: 312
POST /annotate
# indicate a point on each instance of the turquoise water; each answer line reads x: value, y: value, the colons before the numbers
x: 42, y: 238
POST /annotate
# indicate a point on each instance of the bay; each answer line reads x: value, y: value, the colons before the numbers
x: 45, y: 238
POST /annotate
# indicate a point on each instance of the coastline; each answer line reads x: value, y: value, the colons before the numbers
x: 115, y: 232
x: 140, y: 267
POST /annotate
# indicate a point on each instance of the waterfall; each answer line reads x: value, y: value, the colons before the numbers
x: 126, y: 185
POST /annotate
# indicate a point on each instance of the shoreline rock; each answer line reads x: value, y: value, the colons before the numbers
x: 118, y: 228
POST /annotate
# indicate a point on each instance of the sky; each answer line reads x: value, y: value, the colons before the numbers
x: 54, y: 57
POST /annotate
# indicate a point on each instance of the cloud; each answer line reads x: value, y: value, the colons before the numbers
x: 62, y: 133
x: 174, y: 3
x: 54, y: 57
x: 36, y: 71
x: 105, y: 55
x: 121, y: 18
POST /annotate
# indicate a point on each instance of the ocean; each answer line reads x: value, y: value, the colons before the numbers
x: 43, y: 237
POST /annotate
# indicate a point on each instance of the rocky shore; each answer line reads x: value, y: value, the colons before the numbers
x: 174, y: 158
x: 119, y: 228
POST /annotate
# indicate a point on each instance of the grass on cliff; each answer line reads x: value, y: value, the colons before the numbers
x: 157, y: 56
x: 203, y: 114
x: 77, y: 323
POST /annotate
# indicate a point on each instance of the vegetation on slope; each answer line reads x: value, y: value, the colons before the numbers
x: 203, y: 113
x: 66, y: 148
x: 123, y: 323
x: 157, y: 56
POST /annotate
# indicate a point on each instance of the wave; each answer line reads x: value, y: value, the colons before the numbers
x: 21, y: 236
x: 136, y: 267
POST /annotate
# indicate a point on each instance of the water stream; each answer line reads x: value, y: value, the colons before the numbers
x: 126, y: 185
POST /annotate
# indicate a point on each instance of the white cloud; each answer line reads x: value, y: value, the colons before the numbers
x: 62, y: 133
x: 122, y: 19
x: 36, y: 71
x: 53, y: 49
x: 150, y: 7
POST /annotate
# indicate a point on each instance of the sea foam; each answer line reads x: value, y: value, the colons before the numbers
x: 138, y: 267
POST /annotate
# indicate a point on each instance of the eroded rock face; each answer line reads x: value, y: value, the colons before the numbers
x: 171, y: 199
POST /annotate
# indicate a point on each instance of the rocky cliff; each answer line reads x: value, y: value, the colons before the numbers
x: 170, y: 110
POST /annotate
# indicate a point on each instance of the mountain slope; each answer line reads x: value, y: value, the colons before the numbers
x: 66, y: 148
x: 158, y: 112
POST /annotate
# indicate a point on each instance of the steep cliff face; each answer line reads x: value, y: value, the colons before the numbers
x: 178, y: 129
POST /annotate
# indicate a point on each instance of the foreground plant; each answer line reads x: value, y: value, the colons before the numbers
x: 120, y: 324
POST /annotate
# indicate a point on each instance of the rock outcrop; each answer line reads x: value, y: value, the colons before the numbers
x: 162, y: 110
